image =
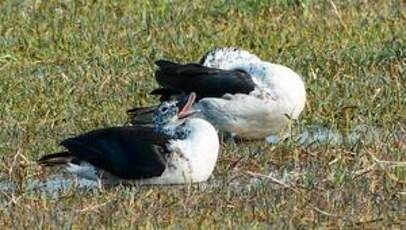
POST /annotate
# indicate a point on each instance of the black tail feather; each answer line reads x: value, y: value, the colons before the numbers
x: 140, y: 110
x: 167, y: 94
x: 57, y: 159
x: 141, y: 116
x: 164, y: 64
x: 204, y: 81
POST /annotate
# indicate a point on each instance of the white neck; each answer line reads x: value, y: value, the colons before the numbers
x: 200, y: 148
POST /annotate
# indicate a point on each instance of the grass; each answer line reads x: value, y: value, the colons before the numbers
x: 70, y: 66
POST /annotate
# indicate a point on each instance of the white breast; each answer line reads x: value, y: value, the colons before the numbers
x: 284, y: 86
x: 278, y: 82
x: 244, y: 115
x: 193, y: 159
x: 201, y: 149
x: 279, y: 92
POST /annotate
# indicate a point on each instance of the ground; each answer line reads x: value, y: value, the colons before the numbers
x: 67, y: 67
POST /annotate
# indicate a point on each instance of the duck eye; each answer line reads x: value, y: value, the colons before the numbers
x: 164, y: 109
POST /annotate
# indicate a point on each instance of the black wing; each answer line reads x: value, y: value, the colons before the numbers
x: 204, y: 81
x: 141, y: 115
x: 126, y: 152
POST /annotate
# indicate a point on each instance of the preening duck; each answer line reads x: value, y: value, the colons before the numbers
x: 177, y: 149
x: 237, y: 92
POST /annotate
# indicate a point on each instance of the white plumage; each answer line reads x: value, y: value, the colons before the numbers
x: 191, y: 160
x: 178, y: 149
x: 279, y: 95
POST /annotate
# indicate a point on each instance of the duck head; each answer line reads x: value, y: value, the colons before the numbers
x: 170, y: 116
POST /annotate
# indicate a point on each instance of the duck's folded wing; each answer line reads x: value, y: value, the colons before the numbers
x: 204, y: 81
x: 126, y: 152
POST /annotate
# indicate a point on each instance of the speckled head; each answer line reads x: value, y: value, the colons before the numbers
x: 224, y: 58
x: 170, y: 116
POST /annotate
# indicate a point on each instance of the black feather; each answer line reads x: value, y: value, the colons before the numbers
x: 126, y: 152
x: 167, y: 94
x: 57, y: 159
x: 141, y: 115
x: 204, y: 81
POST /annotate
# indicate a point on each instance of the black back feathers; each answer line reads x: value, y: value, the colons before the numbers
x: 204, y: 81
x: 126, y: 152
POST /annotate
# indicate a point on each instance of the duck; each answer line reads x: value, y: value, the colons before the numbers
x: 179, y: 148
x: 241, y: 95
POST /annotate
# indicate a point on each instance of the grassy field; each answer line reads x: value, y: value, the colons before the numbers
x: 70, y: 66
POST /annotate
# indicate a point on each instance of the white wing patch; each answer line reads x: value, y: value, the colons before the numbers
x: 84, y: 170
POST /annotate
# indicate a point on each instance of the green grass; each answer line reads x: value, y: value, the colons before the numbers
x: 70, y: 66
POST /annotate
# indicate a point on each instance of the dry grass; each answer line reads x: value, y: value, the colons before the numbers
x: 70, y: 66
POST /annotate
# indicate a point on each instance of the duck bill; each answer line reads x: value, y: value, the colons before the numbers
x: 185, y: 104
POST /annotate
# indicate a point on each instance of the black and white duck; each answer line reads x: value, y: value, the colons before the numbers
x: 178, y: 148
x: 237, y: 92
